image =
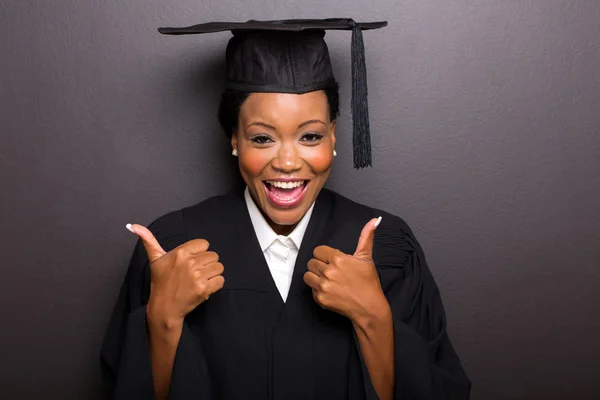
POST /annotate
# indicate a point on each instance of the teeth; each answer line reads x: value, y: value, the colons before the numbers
x: 285, y: 185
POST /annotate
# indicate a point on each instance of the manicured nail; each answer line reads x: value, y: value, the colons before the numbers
x: 376, y: 224
x: 129, y: 228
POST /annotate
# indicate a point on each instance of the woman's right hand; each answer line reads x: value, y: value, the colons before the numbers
x: 181, y: 279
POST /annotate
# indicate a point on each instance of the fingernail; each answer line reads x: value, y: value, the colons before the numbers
x: 376, y: 224
x: 129, y: 228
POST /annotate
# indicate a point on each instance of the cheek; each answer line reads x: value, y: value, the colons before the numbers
x: 319, y: 158
x: 253, y: 162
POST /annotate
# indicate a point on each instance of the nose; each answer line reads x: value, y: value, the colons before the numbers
x: 287, y: 159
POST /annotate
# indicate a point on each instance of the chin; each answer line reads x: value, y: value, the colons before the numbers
x: 286, y: 217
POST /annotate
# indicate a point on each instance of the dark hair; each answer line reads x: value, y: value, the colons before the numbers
x: 232, y: 100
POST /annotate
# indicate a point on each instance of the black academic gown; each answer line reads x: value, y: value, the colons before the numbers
x: 246, y: 343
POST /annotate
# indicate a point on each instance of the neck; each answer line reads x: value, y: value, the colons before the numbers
x: 283, y: 230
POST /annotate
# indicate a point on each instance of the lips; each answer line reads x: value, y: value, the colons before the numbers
x: 285, y: 194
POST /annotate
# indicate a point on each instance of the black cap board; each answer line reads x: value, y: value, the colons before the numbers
x: 291, y: 56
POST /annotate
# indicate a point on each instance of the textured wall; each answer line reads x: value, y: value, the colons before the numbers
x: 485, y: 117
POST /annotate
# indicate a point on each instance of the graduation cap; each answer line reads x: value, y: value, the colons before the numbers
x: 290, y: 56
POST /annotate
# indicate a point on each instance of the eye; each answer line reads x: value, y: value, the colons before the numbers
x: 261, y: 139
x: 311, y: 137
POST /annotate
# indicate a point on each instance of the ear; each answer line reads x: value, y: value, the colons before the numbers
x: 234, y: 140
x: 332, y: 133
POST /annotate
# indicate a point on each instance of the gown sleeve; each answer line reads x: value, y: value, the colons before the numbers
x: 426, y: 365
x: 125, y: 354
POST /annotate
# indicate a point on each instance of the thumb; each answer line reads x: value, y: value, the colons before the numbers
x: 153, y: 249
x: 364, y: 249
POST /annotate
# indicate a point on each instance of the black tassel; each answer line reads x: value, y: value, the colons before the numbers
x: 361, y: 138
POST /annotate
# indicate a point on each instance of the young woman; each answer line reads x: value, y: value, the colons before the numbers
x: 283, y: 290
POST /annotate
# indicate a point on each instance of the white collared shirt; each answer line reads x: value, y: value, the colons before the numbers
x: 280, y: 251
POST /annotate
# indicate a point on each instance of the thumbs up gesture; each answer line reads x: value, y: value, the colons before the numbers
x: 181, y: 279
x: 347, y: 284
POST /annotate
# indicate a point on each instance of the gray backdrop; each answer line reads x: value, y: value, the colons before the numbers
x: 485, y: 118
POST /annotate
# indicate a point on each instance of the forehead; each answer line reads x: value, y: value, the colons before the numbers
x: 285, y: 106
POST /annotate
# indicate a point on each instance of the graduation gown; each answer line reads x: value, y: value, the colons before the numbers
x: 246, y: 343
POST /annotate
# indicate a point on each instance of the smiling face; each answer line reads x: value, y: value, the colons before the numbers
x: 285, y: 147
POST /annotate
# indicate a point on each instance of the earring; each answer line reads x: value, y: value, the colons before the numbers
x: 234, y: 153
x: 334, y: 153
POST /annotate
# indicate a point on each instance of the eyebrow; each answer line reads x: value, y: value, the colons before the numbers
x: 312, y: 121
x: 261, y: 124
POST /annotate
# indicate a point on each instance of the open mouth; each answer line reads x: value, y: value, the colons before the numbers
x: 285, y: 194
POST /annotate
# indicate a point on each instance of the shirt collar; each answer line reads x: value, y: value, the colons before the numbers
x: 265, y: 234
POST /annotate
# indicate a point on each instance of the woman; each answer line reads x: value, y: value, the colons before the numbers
x: 284, y: 290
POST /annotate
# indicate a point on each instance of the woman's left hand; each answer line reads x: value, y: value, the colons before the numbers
x: 347, y: 284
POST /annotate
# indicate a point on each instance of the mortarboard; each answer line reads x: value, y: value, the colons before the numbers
x: 291, y: 56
